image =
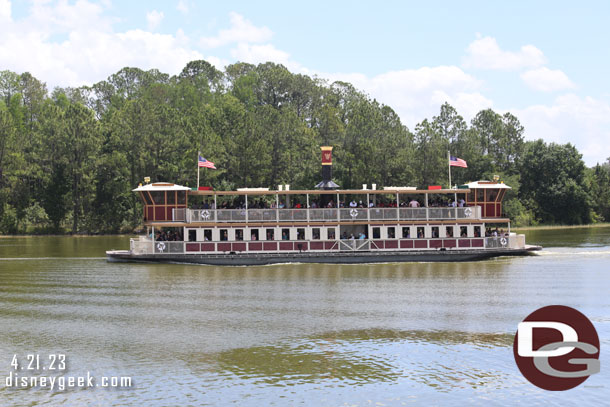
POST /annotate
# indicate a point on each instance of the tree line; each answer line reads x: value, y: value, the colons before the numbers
x: 70, y: 157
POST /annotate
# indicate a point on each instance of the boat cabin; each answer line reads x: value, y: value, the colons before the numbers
x: 163, y: 201
x: 488, y: 195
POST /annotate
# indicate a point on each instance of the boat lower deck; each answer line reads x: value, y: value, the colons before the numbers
x: 250, y: 259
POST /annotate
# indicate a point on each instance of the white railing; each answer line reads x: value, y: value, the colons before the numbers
x: 142, y: 245
x: 353, y: 214
x: 326, y: 214
x: 512, y: 241
x: 162, y: 247
x: 290, y: 215
x: 178, y: 214
x: 323, y: 214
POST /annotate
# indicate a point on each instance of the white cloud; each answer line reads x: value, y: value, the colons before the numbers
x: 416, y: 94
x: 256, y: 54
x: 183, y: 7
x: 241, y: 31
x: 5, y: 10
x: 582, y: 121
x: 485, y: 53
x: 90, y: 51
x: 547, y: 80
x: 154, y: 18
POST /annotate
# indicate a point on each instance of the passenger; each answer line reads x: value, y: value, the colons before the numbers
x: 284, y: 235
x: 414, y: 203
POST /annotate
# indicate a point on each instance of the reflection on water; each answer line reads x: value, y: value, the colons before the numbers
x: 353, y: 357
x: 423, y: 333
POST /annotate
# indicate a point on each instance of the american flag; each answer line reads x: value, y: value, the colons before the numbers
x: 205, y: 163
x: 457, y: 162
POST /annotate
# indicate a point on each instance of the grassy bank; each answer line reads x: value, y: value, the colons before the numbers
x: 546, y: 227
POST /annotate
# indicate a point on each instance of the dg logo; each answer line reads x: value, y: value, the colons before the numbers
x: 556, y: 348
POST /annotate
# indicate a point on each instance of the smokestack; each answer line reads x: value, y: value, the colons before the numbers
x: 327, y: 169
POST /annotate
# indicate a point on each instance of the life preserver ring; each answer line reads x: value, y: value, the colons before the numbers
x: 205, y: 214
x: 353, y: 213
x: 161, y: 246
x: 467, y: 212
x: 503, y: 241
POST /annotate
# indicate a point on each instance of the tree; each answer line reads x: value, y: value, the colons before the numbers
x: 552, y: 176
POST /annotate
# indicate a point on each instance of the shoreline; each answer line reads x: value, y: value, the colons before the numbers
x: 550, y: 227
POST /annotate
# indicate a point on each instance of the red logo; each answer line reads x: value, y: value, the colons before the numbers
x: 556, y: 348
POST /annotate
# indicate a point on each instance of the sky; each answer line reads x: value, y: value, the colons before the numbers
x: 546, y: 62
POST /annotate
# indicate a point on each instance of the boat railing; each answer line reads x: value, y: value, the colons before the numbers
x: 353, y: 214
x: 142, y: 245
x: 231, y: 215
x: 413, y: 213
x: 325, y: 214
x: 354, y: 245
x: 512, y: 241
x: 290, y: 215
x: 179, y: 214
x: 164, y: 247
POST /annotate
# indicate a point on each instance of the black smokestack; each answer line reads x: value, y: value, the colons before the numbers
x: 327, y: 169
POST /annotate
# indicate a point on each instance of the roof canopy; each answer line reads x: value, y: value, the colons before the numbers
x: 161, y: 186
x: 488, y: 185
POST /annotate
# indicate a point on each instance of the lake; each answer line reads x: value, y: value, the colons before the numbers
x: 314, y: 335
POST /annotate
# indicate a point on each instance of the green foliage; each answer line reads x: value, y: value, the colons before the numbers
x: 70, y: 159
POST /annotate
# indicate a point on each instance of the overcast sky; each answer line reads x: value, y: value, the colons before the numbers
x: 547, y: 62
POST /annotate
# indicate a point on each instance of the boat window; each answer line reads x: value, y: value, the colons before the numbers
x: 471, y: 196
x: 158, y: 197
x: 480, y: 195
x: 315, y: 234
x: 300, y: 234
x: 449, y: 231
x: 181, y: 197
x: 420, y: 232
x: 171, y: 197
x: 376, y: 233
x: 192, y: 235
x: 406, y: 232
x: 224, y: 235
x: 285, y: 234
x: 477, y: 231
x: 270, y: 234
x: 146, y: 198
x: 207, y: 234
x: 492, y: 194
x: 391, y: 232
x: 239, y: 234
x: 463, y: 231
x: 434, y: 231
x: 331, y: 234
x: 254, y: 234
x: 501, y: 195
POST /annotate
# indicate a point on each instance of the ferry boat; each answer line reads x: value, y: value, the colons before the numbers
x: 257, y: 226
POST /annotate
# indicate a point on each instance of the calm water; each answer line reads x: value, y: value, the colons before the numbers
x: 320, y: 335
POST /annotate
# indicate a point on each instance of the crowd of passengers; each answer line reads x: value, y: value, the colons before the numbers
x: 168, y: 236
x: 314, y: 204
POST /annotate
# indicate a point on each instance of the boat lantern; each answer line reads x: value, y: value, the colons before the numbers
x: 373, y: 186
x: 147, y: 180
x: 327, y: 169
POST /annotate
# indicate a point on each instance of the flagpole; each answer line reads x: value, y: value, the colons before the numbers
x: 449, y: 165
x: 198, y: 167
